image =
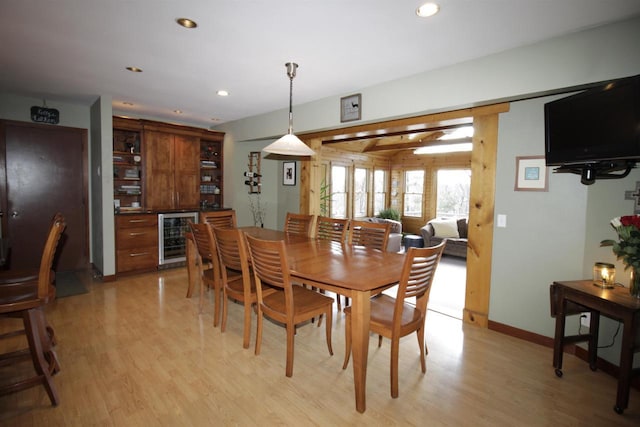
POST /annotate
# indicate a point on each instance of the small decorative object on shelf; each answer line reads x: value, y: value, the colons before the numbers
x: 627, y: 247
x: 604, y: 275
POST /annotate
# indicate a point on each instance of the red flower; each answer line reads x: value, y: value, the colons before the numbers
x: 633, y: 220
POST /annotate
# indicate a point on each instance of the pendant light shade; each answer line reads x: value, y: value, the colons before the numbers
x: 289, y: 144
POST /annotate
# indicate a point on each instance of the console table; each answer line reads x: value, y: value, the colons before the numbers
x: 615, y: 303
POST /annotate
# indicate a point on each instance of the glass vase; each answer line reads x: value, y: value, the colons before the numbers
x: 634, y: 282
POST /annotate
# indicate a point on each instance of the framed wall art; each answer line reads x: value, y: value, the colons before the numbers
x: 289, y: 173
x: 532, y: 174
x: 350, y: 108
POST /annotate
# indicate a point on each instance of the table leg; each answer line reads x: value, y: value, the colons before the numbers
x: 360, y: 317
x: 558, y: 342
x: 626, y: 364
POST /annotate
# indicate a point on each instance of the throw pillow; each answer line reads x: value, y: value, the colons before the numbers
x: 445, y: 228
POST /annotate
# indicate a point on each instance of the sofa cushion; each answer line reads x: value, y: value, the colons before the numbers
x: 445, y: 228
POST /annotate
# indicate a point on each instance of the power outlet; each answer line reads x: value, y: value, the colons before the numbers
x: 585, y: 319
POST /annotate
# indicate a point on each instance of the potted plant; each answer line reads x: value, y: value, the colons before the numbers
x: 389, y: 213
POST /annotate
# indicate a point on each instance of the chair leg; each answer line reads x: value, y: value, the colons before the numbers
x: 225, y: 302
x: 47, y: 343
x: 36, y: 341
x: 217, y: 295
x: 423, y: 348
x: 247, y: 325
x: 347, y: 341
x: 290, y: 344
x: 328, y: 322
x: 395, y: 350
x: 258, y: 331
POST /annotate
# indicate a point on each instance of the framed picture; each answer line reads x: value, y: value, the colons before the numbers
x: 532, y: 174
x: 350, y: 108
x: 289, y: 173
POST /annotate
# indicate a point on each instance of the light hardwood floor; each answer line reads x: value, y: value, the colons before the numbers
x: 136, y: 353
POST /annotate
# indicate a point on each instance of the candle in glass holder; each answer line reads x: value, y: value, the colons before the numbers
x: 604, y: 274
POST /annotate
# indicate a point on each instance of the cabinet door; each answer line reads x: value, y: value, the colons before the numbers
x: 159, y: 155
x: 187, y: 171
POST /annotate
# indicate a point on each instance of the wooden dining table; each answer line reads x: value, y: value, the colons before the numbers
x: 357, y: 272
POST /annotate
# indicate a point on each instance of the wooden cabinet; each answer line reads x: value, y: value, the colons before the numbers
x: 173, y: 170
x: 127, y: 165
x: 211, y: 176
x: 136, y: 242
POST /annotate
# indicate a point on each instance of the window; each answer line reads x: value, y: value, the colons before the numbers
x: 360, y: 193
x: 454, y: 187
x: 338, y: 191
x: 379, y: 191
x: 413, y: 193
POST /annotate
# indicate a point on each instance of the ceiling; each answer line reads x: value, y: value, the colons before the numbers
x: 77, y: 50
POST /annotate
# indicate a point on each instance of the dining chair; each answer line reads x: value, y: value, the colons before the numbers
x: 299, y: 224
x: 334, y: 229
x: 290, y: 305
x: 238, y: 281
x: 26, y: 299
x: 225, y: 218
x: 395, y: 318
x: 208, y: 265
x: 370, y: 234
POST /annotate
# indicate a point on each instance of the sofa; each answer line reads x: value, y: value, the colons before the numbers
x: 453, y: 231
x: 395, y: 236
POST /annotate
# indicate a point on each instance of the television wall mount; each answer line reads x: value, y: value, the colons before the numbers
x: 590, y: 172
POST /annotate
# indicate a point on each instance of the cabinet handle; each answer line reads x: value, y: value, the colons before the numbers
x: 131, y: 221
x: 136, y: 234
x: 139, y: 254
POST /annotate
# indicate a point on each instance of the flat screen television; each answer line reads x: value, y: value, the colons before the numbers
x: 598, y: 126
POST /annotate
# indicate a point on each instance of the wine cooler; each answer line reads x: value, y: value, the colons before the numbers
x: 171, y: 230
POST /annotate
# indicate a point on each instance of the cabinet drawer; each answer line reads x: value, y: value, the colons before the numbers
x: 137, y: 259
x: 144, y: 220
x: 141, y: 237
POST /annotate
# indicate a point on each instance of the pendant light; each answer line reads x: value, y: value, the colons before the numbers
x: 289, y: 144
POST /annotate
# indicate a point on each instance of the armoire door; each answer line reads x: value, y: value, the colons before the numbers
x: 46, y: 172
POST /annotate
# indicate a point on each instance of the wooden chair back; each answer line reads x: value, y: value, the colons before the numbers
x: 270, y: 265
x: 415, y: 281
x: 334, y: 229
x: 58, y: 225
x: 14, y: 283
x: 370, y: 234
x: 301, y: 224
x: 203, y: 238
x: 232, y: 250
x: 225, y: 218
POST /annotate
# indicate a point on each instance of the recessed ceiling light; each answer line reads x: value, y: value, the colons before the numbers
x: 222, y: 93
x: 177, y: 111
x: 427, y: 9
x: 187, y: 23
x: 134, y: 69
